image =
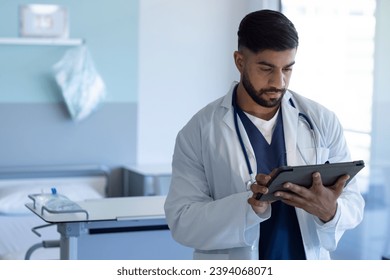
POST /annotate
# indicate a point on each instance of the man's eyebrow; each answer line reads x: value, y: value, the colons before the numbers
x: 289, y: 65
x: 272, y: 65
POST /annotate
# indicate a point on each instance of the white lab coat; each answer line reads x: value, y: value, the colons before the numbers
x: 206, y: 207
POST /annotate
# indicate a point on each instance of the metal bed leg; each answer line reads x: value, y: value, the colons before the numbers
x: 43, y: 244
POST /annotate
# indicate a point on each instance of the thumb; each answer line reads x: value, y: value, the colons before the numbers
x: 317, y: 181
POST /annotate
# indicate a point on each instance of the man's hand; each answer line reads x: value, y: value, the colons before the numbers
x: 317, y: 200
x: 259, y: 187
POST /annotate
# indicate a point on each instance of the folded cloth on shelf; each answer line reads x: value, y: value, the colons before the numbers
x: 82, y: 87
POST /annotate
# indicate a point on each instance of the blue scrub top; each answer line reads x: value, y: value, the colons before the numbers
x: 280, y: 235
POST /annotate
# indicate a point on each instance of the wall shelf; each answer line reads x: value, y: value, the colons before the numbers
x: 41, y: 41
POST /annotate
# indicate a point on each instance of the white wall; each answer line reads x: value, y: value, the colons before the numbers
x: 380, y: 152
x: 185, y: 61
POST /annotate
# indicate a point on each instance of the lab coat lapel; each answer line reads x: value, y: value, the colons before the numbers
x: 228, y: 119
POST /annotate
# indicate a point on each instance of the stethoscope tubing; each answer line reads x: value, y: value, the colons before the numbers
x: 250, y: 171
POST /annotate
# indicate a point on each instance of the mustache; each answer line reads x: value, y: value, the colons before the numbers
x: 272, y: 90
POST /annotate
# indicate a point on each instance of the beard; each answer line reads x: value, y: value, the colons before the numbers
x: 257, y: 95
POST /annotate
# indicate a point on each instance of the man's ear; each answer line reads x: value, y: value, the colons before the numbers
x: 239, y: 60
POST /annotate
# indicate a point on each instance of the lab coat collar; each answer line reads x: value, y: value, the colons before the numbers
x: 227, y: 100
x: 227, y: 103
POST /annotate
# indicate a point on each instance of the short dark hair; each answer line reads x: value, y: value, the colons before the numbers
x: 267, y: 29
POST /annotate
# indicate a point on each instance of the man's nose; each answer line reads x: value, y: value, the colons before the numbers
x: 277, y: 80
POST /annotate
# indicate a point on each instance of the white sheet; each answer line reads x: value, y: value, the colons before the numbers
x: 16, y: 221
x: 16, y: 237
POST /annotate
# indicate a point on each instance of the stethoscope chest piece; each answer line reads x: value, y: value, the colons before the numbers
x: 250, y: 182
x: 248, y: 185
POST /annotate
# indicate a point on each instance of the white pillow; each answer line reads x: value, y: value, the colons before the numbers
x: 14, y: 197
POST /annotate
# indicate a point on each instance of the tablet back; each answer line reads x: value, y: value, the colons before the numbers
x: 302, y: 175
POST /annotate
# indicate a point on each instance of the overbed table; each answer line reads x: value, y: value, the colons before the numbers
x: 116, y: 228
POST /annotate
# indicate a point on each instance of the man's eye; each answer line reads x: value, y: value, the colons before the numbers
x: 287, y: 69
x: 266, y: 69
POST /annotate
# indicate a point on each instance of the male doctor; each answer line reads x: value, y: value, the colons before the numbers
x: 224, y: 157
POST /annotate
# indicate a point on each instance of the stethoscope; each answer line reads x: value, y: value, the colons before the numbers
x: 252, y: 175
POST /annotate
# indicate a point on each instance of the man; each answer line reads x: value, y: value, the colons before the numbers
x: 256, y: 127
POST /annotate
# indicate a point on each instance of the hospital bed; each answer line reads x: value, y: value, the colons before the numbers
x: 131, y: 227
x: 17, y: 240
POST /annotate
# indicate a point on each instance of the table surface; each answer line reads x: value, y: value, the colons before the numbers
x: 112, y: 208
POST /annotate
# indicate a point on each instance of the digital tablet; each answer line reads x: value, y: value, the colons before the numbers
x: 302, y: 175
